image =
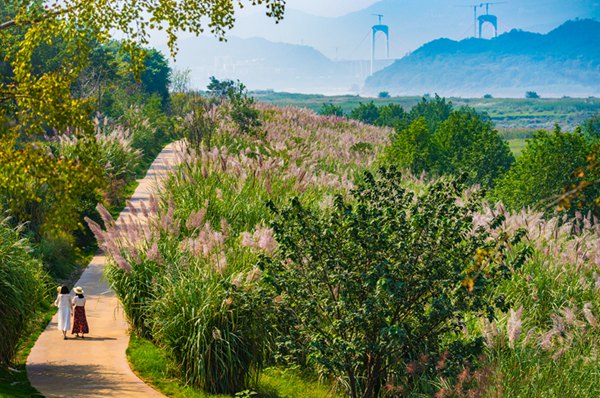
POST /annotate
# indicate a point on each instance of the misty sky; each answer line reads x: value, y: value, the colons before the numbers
x: 329, y: 8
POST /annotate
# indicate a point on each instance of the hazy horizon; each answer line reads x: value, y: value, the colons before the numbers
x: 330, y: 41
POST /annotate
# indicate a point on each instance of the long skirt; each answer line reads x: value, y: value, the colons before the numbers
x: 80, y: 324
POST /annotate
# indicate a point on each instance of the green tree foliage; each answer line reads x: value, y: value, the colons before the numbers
x: 22, y: 285
x: 366, y: 113
x: 467, y: 142
x: 545, y: 167
x: 242, y: 111
x: 331, y: 110
x: 412, y: 148
x: 44, y: 99
x: 45, y: 191
x: 532, y: 95
x: 381, y: 286
x: 591, y: 128
x: 437, y: 139
x: 383, y: 94
x: 391, y: 115
x: 434, y: 111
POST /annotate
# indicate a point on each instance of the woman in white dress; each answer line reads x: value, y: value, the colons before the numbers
x: 63, y: 302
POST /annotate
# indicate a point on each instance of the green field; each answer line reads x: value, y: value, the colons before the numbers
x: 507, y: 113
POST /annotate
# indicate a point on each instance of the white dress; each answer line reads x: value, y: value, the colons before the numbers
x: 63, y: 301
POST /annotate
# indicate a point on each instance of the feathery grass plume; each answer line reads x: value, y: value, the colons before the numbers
x: 220, y: 263
x: 145, y: 211
x: 132, y: 208
x: 107, y: 218
x: 196, y: 219
x: 558, y: 325
x: 121, y: 262
x: 154, y: 205
x: 490, y: 331
x: 546, y: 339
x: 225, y: 227
x: 96, y: 229
x: 514, y: 326
x: 569, y: 316
x: 153, y: 254
x: 254, y: 275
x: 262, y: 239
x: 589, y: 316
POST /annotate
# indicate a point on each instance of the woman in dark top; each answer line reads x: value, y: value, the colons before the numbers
x: 80, y: 324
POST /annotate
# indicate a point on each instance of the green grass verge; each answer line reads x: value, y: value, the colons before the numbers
x: 152, y: 366
x: 13, y: 380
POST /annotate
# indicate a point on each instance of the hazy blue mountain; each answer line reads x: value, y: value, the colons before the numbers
x: 565, y: 61
x: 261, y: 64
x: 411, y: 22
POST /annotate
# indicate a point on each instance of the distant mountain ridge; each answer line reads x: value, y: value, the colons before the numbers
x: 411, y: 23
x: 263, y: 65
x: 565, y: 61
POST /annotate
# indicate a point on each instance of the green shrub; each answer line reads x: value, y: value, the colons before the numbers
x: 442, y: 142
x: 242, y: 110
x: 366, y: 113
x: 57, y: 251
x: 545, y: 167
x: 331, y: 110
x: 22, y: 288
x: 380, y: 286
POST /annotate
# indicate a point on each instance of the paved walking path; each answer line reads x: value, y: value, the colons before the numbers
x: 96, y: 366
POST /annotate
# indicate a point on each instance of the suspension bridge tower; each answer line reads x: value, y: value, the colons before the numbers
x: 386, y: 31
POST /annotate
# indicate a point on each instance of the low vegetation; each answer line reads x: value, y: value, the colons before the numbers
x: 234, y: 230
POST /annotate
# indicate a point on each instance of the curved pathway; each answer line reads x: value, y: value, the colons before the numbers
x: 96, y: 366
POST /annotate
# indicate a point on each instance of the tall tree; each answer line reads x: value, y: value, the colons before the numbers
x: 32, y: 102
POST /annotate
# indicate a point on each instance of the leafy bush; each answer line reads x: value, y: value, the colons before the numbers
x: 22, y: 288
x: 544, y: 168
x: 366, y: 113
x: 467, y: 142
x: 242, y: 111
x: 58, y: 254
x: 114, y: 153
x: 391, y: 115
x: 459, y: 141
x: 331, y: 110
x: 591, y: 128
x: 380, y: 286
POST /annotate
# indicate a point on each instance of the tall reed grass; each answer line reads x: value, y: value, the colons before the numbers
x: 184, y: 266
x: 22, y: 288
x: 548, y: 344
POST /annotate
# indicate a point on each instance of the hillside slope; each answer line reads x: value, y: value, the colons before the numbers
x: 566, y: 61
